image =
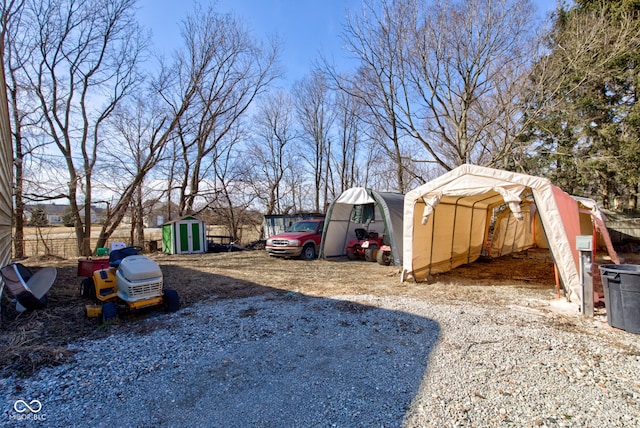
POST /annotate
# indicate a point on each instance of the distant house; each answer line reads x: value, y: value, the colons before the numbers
x: 158, y: 214
x: 98, y: 214
x: 55, y: 213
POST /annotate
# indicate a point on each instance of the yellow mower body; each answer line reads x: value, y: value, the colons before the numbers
x: 93, y: 311
x: 104, y: 281
x: 134, y: 284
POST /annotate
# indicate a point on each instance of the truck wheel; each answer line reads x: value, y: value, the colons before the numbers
x: 384, y: 258
x: 109, y: 312
x: 88, y: 288
x: 171, y: 300
x: 370, y: 253
x: 308, y: 252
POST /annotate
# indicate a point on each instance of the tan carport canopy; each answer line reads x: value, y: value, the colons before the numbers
x: 473, y: 211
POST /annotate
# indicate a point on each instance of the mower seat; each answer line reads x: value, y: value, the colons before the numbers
x: 116, y: 256
x: 361, y: 234
x: 28, y: 289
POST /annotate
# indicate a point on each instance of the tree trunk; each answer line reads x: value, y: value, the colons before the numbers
x: 139, y: 236
x: 18, y: 219
x: 633, y: 199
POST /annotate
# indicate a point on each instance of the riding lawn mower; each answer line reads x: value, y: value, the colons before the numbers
x: 124, y: 282
x: 365, y: 246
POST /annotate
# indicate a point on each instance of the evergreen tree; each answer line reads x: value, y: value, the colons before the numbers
x: 38, y: 217
x: 68, y: 219
x: 587, y: 138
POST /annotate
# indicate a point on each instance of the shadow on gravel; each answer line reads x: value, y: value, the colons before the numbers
x: 249, y: 356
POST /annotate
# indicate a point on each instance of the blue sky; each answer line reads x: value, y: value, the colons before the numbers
x: 305, y: 27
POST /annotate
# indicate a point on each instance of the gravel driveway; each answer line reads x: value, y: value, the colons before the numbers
x: 289, y: 360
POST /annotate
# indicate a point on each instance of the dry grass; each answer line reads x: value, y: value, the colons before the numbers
x: 33, y: 339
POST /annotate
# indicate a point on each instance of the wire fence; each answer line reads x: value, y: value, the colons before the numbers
x: 62, y: 243
x: 67, y: 248
x: 61, y: 247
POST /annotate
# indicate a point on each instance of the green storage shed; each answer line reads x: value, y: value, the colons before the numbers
x: 186, y: 235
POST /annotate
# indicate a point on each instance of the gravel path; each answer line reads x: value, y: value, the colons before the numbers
x: 290, y: 360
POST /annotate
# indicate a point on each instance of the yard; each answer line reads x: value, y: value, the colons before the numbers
x: 263, y: 341
x: 30, y: 340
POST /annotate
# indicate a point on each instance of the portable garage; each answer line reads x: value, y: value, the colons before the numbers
x: 186, y: 235
x: 361, y: 208
x: 474, y: 211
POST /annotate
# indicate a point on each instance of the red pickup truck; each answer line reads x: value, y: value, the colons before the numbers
x: 302, y: 239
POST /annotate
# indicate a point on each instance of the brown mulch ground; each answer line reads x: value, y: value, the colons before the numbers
x: 32, y: 339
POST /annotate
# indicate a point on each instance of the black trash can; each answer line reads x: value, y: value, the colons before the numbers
x: 621, y: 285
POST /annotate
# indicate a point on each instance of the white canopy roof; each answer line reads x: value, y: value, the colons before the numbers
x: 447, y: 221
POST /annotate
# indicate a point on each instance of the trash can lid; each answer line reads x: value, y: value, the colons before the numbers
x: 621, y: 268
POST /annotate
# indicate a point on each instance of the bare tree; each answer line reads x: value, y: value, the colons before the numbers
x: 5, y: 150
x: 316, y: 115
x: 467, y: 65
x: 448, y: 74
x: 272, y: 151
x: 84, y: 66
x: 348, y: 110
x: 139, y: 134
x: 234, y: 193
x: 226, y: 70
x: 28, y: 147
x: 14, y: 53
x: 377, y: 37
x: 170, y: 169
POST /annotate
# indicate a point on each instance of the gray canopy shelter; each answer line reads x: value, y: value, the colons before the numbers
x: 360, y: 208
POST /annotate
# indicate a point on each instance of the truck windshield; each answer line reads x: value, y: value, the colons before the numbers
x: 303, y: 226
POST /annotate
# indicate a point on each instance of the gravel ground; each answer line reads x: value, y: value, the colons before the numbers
x: 289, y: 360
